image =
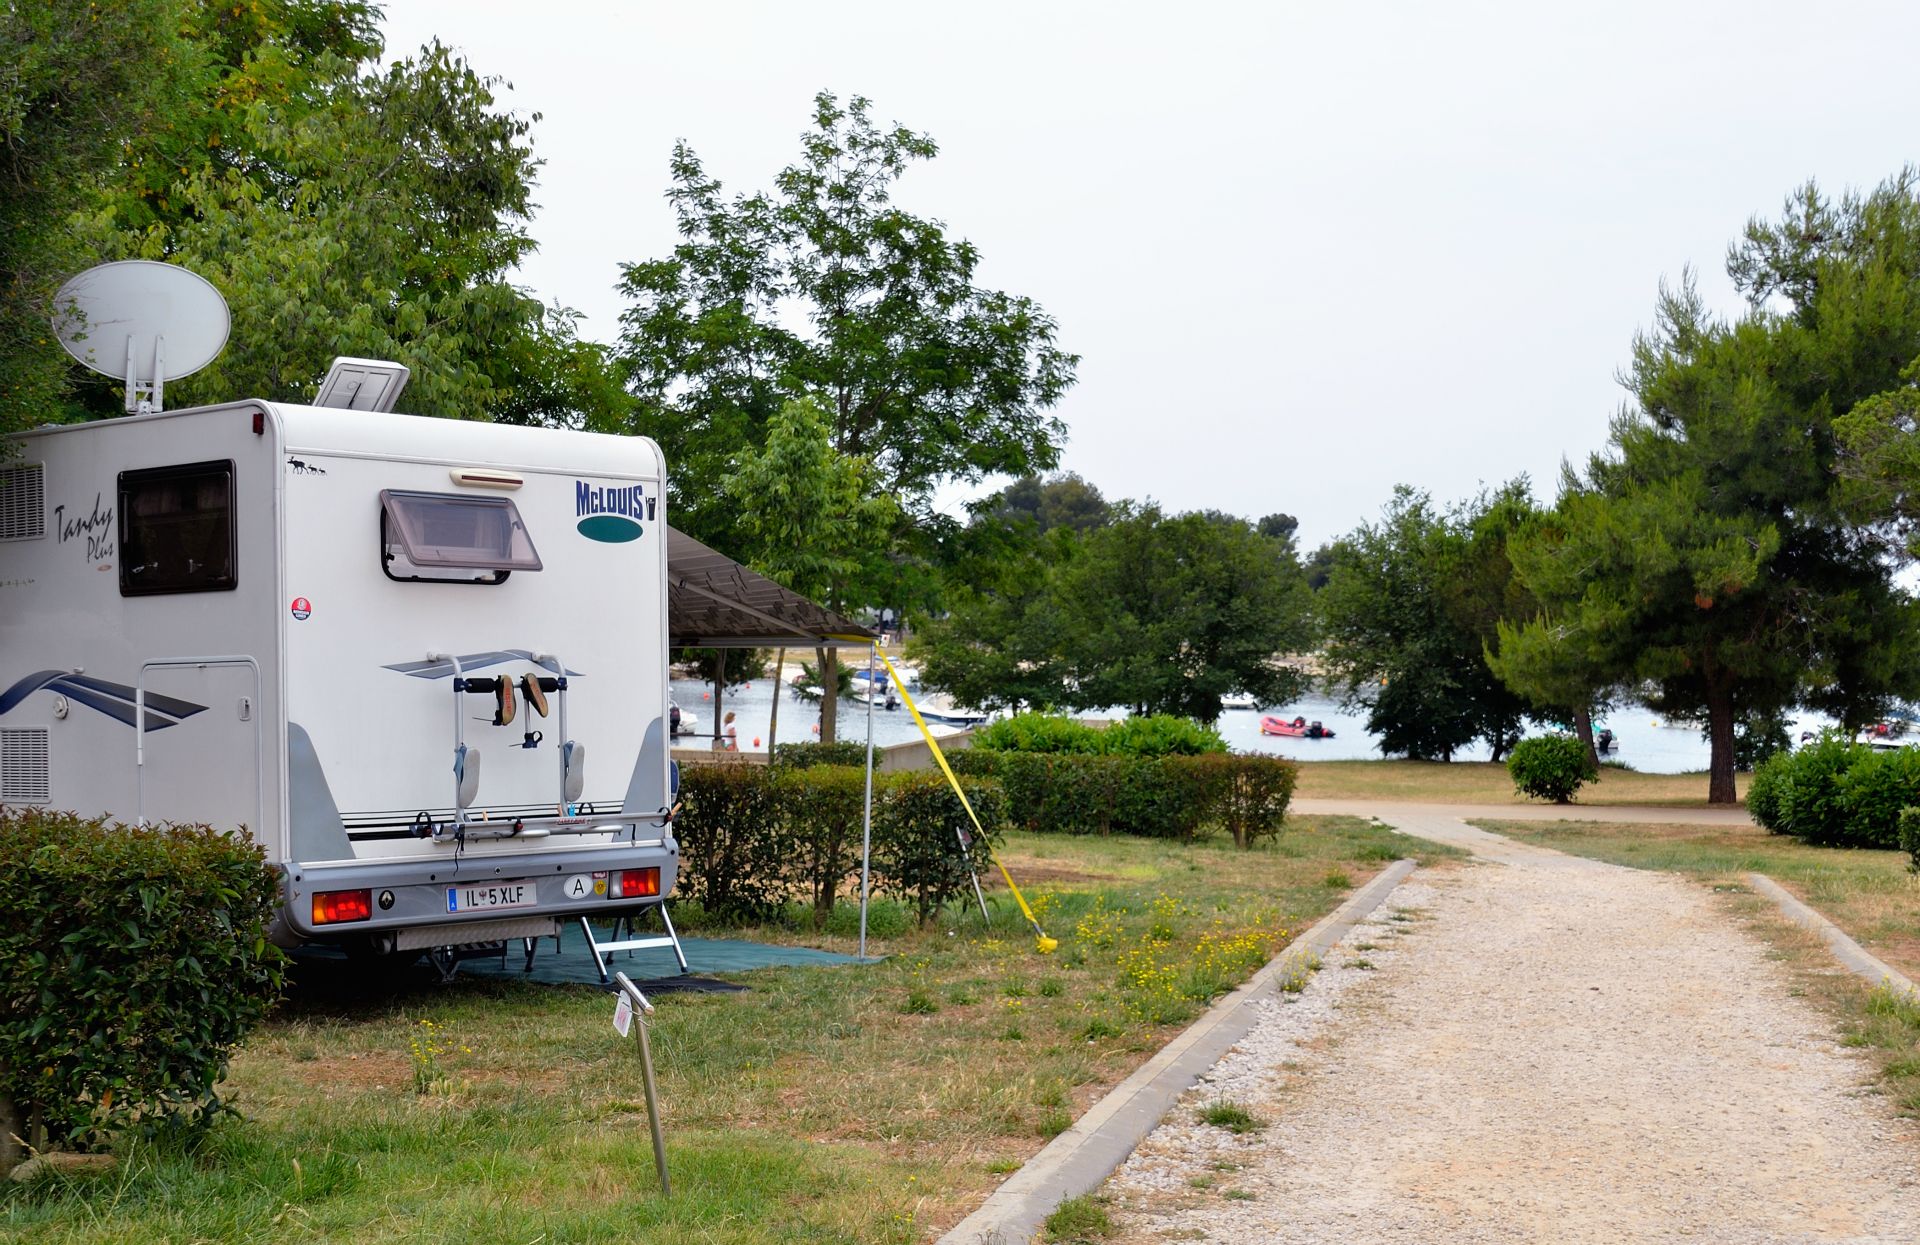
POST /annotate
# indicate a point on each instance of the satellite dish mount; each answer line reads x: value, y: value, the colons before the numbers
x: 146, y: 322
x: 156, y: 388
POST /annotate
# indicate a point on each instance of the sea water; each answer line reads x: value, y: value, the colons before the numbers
x: 1643, y: 741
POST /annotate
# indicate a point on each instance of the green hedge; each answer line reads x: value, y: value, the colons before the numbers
x: 924, y: 845
x: 132, y: 963
x: 1178, y: 797
x: 820, y: 809
x: 1151, y: 735
x: 1836, y: 793
x: 753, y: 837
x: 728, y: 828
x: 805, y: 755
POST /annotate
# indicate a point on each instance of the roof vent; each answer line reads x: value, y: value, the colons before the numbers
x: 362, y: 385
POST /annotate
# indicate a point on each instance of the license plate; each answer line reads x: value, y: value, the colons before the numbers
x: 492, y: 896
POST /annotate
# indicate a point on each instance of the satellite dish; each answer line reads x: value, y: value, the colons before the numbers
x: 146, y: 322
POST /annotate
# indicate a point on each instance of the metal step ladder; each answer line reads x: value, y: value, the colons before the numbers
x: 632, y: 943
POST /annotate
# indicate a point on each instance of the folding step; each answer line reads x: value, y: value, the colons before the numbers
x: 631, y: 943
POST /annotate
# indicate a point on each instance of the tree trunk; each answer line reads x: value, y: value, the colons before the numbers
x: 1720, y: 788
x: 11, y: 1127
x: 779, y: 682
x: 1583, y: 727
x: 829, y: 694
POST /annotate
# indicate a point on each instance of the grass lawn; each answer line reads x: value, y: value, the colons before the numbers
x: 873, y: 1103
x: 1869, y: 894
x: 1483, y: 782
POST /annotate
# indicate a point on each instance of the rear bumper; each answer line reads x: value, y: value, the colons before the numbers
x: 415, y: 893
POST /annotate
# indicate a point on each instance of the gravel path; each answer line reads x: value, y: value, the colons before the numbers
x: 1545, y: 1049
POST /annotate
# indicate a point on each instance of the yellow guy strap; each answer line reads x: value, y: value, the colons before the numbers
x: 1045, y: 944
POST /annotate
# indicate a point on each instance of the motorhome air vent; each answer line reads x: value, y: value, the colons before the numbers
x: 362, y: 384
x: 23, y: 765
x: 23, y: 502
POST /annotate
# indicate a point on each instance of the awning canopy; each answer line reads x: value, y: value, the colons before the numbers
x: 714, y: 602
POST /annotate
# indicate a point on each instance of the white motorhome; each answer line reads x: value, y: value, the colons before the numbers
x: 421, y: 661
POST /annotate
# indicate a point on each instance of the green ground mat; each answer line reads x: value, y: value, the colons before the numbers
x: 574, y: 963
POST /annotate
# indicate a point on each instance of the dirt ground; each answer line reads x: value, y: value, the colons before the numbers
x: 1535, y: 1048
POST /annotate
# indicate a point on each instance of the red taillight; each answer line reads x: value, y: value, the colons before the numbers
x: 259, y: 422
x: 334, y: 907
x: 635, y: 884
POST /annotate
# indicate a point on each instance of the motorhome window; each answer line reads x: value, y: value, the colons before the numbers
x: 447, y: 537
x: 177, y: 529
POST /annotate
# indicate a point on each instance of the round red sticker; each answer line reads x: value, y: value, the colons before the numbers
x: 301, y: 608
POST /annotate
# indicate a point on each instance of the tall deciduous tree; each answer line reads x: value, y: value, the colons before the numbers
x: 1170, y: 613
x: 395, y: 211
x: 823, y: 286
x: 1408, y: 609
x: 1160, y: 613
x: 340, y: 208
x: 1060, y: 501
x: 78, y: 80
x: 809, y: 517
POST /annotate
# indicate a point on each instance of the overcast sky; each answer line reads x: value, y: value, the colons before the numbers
x: 1306, y: 251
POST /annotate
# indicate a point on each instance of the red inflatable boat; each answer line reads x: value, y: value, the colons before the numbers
x: 1299, y: 728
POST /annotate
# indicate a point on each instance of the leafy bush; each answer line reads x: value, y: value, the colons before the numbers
x: 1160, y: 735
x: 1810, y: 801
x: 1873, y: 791
x: 821, y: 809
x: 1765, y: 793
x: 1253, y: 804
x: 733, y: 860
x: 803, y: 755
x: 132, y: 963
x: 1837, y: 793
x: 924, y: 844
x: 1038, y: 732
x: 1910, y: 837
x: 1550, y: 767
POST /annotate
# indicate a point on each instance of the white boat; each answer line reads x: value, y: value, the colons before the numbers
x: 1238, y: 700
x: 940, y: 707
x: 880, y: 688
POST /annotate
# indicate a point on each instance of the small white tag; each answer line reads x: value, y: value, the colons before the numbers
x: 623, y: 1015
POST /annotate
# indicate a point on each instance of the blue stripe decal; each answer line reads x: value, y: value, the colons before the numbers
x: 113, y: 699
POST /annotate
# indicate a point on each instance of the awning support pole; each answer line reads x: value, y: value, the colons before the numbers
x: 866, y: 830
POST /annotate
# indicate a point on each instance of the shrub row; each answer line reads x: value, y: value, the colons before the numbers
x: 820, y: 752
x: 132, y: 963
x: 752, y: 837
x: 1836, y: 793
x: 1177, y: 797
x: 1153, y: 735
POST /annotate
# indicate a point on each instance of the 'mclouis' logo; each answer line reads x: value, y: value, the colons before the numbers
x: 609, y: 514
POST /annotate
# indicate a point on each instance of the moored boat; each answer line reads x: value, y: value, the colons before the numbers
x: 1299, y: 728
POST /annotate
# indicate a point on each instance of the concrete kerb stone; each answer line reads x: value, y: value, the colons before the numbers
x: 1078, y: 1160
x: 1856, y: 958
